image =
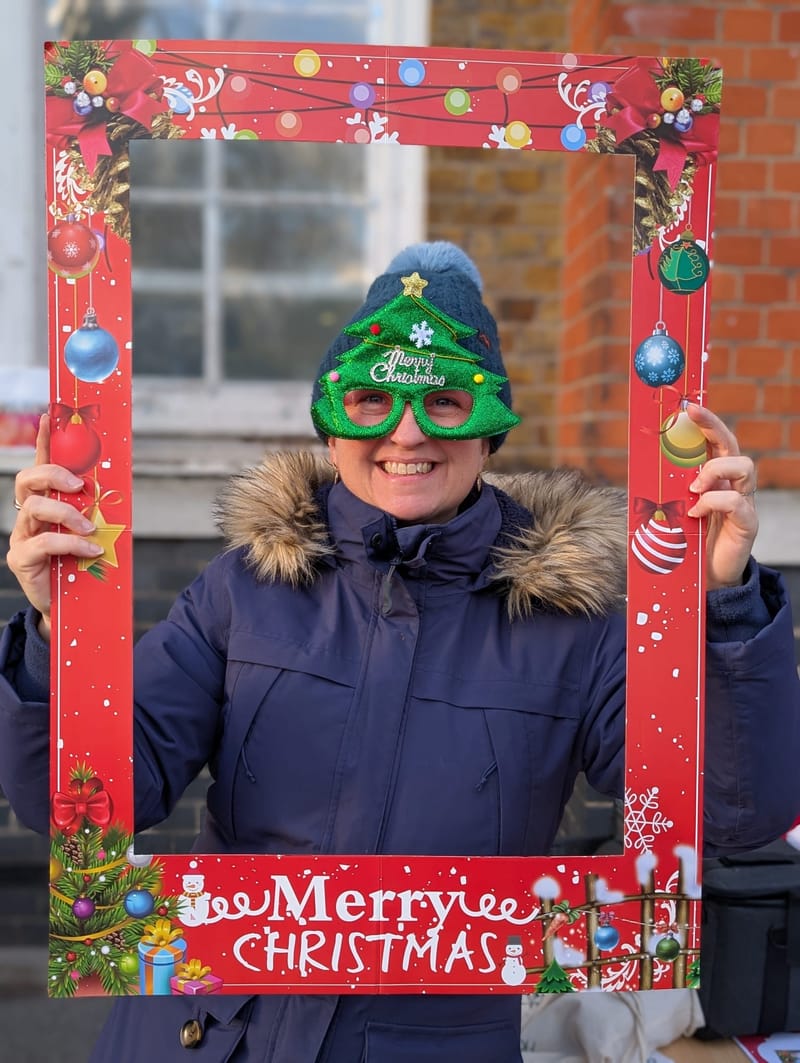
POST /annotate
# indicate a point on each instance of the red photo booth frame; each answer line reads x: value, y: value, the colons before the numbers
x: 122, y: 922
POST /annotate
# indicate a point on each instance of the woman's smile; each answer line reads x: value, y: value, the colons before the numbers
x: 417, y: 478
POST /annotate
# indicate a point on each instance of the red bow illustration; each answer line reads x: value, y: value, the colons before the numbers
x: 634, y: 98
x: 62, y: 415
x: 647, y: 508
x: 87, y: 800
x: 133, y: 81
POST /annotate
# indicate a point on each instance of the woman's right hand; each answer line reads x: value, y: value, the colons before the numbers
x: 46, y: 527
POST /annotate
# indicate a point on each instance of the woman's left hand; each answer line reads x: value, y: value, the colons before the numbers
x: 726, y: 487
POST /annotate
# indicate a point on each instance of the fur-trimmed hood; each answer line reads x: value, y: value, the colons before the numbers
x: 564, y: 551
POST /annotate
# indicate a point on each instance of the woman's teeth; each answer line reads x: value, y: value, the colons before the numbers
x: 401, y: 468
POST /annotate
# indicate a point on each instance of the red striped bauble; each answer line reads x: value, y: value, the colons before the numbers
x: 657, y: 546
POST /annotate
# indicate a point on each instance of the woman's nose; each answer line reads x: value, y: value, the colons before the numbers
x: 407, y: 433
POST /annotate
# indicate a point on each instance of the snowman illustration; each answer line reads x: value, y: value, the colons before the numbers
x: 193, y: 902
x: 513, y: 971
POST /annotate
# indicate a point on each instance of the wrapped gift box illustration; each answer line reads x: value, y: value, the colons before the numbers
x: 194, y: 979
x: 160, y: 952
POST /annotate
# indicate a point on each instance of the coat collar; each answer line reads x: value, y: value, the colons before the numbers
x: 561, y: 544
x: 443, y: 553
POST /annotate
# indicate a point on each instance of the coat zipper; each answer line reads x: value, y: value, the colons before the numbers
x: 386, y: 586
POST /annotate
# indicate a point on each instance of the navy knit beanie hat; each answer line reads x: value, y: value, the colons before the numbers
x: 455, y: 287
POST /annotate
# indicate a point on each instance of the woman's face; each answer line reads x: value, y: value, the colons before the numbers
x: 416, y: 478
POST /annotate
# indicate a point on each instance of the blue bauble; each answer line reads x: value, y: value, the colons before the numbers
x: 91, y: 353
x: 659, y: 360
x: 606, y: 938
x: 181, y: 100
x: 138, y: 903
x: 573, y: 137
x: 411, y: 72
x: 82, y: 105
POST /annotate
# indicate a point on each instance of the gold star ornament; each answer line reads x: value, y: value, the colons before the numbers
x: 413, y: 285
x: 106, y: 536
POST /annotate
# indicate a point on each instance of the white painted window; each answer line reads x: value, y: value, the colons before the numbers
x: 249, y: 256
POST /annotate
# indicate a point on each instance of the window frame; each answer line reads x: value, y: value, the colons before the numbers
x: 395, y: 215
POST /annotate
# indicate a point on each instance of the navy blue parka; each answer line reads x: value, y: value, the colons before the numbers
x: 357, y: 687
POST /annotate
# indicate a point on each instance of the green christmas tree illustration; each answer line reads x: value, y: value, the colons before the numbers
x: 555, y: 980
x: 409, y: 343
x: 102, y: 895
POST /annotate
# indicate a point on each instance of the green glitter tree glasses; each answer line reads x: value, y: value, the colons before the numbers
x: 409, y: 352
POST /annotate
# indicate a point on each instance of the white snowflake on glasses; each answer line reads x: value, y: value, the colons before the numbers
x: 421, y: 334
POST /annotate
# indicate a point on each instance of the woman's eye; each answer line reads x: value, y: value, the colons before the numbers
x: 367, y: 407
x: 449, y: 408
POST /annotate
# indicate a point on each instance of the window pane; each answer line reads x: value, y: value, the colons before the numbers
x: 315, y: 239
x: 131, y: 19
x: 290, y: 236
x: 301, y: 167
x: 167, y: 237
x: 294, y: 26
x: 276, y: 20
x: 168, y: 334
x: 176, y: 163
x: 275, y: 338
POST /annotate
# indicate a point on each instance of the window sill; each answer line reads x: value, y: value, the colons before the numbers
x: 176, y: 481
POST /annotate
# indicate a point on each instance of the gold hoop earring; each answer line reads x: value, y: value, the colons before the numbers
x: 335, y: 468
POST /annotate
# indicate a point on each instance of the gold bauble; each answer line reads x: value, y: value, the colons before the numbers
x: 682, y: 442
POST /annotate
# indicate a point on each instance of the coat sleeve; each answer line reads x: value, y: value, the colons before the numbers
x: 179, y: 668
x: 24, y: 734
x: 752, y: 748
x: 752, y: 709
x: 179, y: 680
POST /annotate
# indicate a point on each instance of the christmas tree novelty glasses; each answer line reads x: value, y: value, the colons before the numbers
x: 439, y: 412
x: 415, y: 353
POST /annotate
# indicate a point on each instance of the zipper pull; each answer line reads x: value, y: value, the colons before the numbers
x: 486, y: 776
x: 386, y: 590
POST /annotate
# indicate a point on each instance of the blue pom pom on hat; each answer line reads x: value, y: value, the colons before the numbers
x: 437, y: 256
x: 454, y: 286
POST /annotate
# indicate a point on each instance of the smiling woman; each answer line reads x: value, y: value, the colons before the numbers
x: 392, y: 675
x: 414, y: 449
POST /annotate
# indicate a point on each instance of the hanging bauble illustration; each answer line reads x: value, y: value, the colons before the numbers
x: 683, y: 267
x: 72, y: 248
x: 668, y: 948
x: 659, y: 360
x: 606, y: 937
x: 75, y: 443
x: 659, y: 545
x: 91, y: 353
x: 682, y: 442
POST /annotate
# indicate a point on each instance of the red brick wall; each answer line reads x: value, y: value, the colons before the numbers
x: 504, y: 208
x: 562, y: 310
x: 754, y: 352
